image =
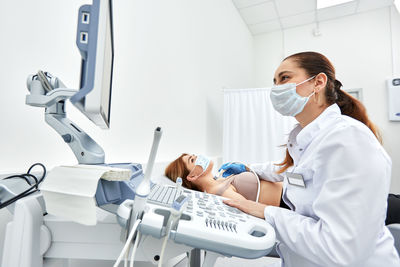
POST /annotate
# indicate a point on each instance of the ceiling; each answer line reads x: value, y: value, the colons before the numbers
x: 263, y: 16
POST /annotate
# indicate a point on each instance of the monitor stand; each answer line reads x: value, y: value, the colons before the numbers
x: 109, y: 194
x: 85, y: 149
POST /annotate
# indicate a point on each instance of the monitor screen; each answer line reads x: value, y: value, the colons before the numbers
x: 96, y: 45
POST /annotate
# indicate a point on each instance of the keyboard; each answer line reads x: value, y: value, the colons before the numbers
x: 163, y: 195
x: 207, y: 223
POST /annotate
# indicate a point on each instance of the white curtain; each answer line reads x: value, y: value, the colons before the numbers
x: 253, y: 131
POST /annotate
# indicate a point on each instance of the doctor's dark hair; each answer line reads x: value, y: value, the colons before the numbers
x: 314, y: 63
x: 177, y: 169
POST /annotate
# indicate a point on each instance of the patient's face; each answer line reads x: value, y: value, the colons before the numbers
x: 195, y: 171
x: 189, y: 161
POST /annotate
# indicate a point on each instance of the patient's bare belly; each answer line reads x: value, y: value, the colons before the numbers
x: 270, y: 193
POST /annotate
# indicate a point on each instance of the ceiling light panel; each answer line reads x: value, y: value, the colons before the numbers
x: 259, y: 13
x: 337, y: 11
x: 328, y: 3
x: 289, y: 7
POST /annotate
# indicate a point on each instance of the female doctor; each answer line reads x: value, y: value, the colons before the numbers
x: 336, y: 174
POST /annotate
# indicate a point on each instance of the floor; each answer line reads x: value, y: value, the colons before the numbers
x: 221, y: 262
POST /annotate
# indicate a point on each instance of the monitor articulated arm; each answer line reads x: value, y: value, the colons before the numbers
x: 86, y: 150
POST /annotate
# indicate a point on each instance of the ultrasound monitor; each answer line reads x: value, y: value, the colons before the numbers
x: 95, y: 42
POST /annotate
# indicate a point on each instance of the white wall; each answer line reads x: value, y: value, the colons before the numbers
x: 360, y: 47
x: 172, y: 59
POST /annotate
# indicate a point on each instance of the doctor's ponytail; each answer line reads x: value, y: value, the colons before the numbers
x: 353, y: 107
x: 314, y: 63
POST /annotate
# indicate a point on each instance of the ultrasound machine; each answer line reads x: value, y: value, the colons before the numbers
x: 137, y: 219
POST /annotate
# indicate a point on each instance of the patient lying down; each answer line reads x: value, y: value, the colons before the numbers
x: 243, y: 185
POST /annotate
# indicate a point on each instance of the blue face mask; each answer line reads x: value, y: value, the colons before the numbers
x: 285, y: 99
x: 203, y: 162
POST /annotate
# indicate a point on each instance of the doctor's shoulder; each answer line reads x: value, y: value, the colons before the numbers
x: 360, y: 129
x: 348, y: 131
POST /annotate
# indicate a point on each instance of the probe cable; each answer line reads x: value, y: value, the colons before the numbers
x: 127, y: 243
x: 134, y: 249
x: 165, y: 242
x: 178, y: 206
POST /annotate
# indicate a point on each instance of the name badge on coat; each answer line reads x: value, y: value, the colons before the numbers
x: 295, y: 179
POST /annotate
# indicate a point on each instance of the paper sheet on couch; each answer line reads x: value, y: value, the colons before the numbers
x: 69, y: 191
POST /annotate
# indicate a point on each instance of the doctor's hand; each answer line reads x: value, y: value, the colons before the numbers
x: 232, y: 168
x: 248, y: 206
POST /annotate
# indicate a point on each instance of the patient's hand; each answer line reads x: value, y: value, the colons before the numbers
x: 248, y: 206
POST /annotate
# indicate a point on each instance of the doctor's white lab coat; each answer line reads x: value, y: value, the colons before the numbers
x: 338, y: 218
